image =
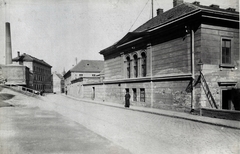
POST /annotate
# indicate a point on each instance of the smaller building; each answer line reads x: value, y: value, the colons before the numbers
x: 16, y: 75
x: 58, y: 83
x: 86, y: 71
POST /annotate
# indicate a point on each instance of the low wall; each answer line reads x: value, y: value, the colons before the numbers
x: 220, y: 113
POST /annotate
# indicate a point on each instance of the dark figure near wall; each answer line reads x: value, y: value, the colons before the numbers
x: 127, y: 99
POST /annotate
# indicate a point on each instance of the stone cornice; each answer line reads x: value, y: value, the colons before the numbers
x: 145, y: 79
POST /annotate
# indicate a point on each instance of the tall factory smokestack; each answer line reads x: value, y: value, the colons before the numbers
x: 8, y: 52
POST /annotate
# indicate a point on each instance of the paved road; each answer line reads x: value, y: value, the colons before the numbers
x: 28, y: 129
x: 144, y: 133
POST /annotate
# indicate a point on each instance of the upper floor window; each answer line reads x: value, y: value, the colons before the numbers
x: 144, y: 64
x: 226, y: 51
x: 128, y: 67
x: 135, y: 63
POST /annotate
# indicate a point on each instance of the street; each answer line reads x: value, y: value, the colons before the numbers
x: 148, y: 133
x: 28, y: 129
x: 105, y: 129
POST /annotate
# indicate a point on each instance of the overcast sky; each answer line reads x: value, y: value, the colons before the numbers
x: 59, y: 31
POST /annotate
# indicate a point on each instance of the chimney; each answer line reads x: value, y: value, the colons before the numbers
x: 177, y: 2
x: 214, y: 6
x: 18, y: 53
x: 159, y: 11
x: 196, y: 3
x: 8, y: 49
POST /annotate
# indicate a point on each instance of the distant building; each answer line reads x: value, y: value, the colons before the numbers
x: 40, y: 72
x: 58, y: 83
x: 183, y: 59
x: 86, y: 71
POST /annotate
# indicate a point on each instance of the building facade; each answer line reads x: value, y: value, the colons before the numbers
x: 86, y: 71
x: 16, y: 75
x: 58, y: 83
x: 183, y: 59
x: 40, y: 72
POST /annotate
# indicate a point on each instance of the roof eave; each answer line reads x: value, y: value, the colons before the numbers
x: 192, y: 13
x: 121, y: 41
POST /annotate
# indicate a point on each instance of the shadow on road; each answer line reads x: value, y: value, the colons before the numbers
x: 3, y: 97
x: 1, y: 88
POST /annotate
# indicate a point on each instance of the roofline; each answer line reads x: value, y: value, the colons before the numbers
x: 155, y: 28
x: 220, y: 18
x: 219, y: 11
x: 137, y: 39
x: 175, y: 20
x: 193, y: 13
x: 33, y: 60
x: 184, y: 16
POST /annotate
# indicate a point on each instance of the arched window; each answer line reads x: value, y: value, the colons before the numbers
x: 144, y: 64
x: 135, y: 65
x: 128, y: 67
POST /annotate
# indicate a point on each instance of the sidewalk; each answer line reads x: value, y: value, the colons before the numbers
x: 187, y: 116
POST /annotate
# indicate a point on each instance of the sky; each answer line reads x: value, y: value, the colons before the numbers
x: 62, y: 32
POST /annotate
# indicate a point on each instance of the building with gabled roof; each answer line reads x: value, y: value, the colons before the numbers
x: 58, y: 83
x: 40, y: 72
x: 85, y: 68
x: 86, y: 71
x: 184, y: 59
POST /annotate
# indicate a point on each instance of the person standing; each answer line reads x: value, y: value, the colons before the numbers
x: 66, y: 90
x: 127, y: 99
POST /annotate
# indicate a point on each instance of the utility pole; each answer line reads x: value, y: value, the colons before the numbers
x: 152, y: 8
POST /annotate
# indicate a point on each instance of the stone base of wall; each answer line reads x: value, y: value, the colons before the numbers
x: 220, y: 113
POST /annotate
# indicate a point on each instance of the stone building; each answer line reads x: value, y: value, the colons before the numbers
x: 40, y: 72
x: 13, y: 74
x: 183, y: 59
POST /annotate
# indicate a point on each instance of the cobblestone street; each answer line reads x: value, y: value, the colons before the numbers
x: 147, y: 133
x: 59, y: 124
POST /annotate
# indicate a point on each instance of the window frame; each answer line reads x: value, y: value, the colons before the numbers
x: 142, y: 99
x: 224, y: 39
x: 135, y: 65
x: 225, y: 65
x: 128, y: 59
x: 134, y: 90
x: 143, y: 63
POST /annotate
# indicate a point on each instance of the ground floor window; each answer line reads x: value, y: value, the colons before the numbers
x: 134, y: 94
x: 142, y: 94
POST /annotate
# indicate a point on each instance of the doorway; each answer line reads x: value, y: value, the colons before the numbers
x: 227, y: 102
